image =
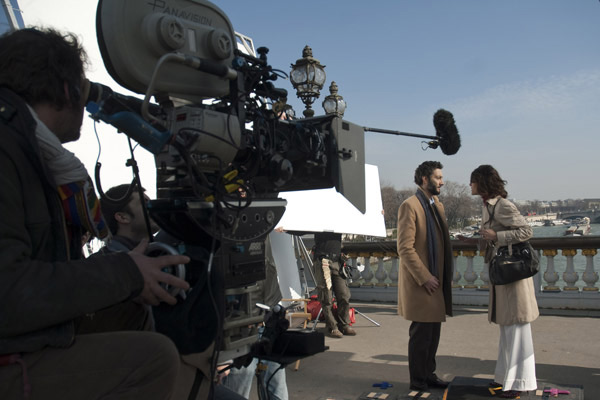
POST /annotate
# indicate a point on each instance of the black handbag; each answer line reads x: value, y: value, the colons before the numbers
x: 507, y: 268
x: 513, y: 262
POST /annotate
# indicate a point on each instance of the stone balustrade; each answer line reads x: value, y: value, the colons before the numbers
x: 573, y: 284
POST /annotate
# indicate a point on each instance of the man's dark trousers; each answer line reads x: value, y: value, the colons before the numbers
x: 424, y: 338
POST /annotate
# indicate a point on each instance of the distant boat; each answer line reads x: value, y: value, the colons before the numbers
x: 535, y: 223
x: 581, y: 228
x: 549, y: 222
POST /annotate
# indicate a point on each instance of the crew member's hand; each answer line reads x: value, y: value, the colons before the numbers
x: 432, y: 285
x: 488, y: 234
x: 151, y: 270
x: 222, y: 371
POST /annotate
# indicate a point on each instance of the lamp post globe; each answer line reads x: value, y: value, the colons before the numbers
x: 307, y: 77
x: 334, y: 104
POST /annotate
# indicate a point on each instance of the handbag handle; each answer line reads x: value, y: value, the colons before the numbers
x: 509, y: 239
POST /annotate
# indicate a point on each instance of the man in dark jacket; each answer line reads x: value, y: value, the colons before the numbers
x: 46, y: 205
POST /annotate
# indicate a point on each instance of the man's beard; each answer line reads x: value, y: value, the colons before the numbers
x: 433, y: 189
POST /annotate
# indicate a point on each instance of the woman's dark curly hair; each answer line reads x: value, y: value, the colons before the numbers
x: 36, y: 63
x: 489, y: 183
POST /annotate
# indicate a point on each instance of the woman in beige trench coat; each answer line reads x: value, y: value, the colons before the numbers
x: 511, y: 306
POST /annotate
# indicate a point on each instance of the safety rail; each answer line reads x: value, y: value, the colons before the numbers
x: 567, y: 280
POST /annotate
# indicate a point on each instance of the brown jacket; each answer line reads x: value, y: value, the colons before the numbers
x: 414, y: 303
x: 513, y: 303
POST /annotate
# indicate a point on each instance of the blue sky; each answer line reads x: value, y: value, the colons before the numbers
x: 522, y: 79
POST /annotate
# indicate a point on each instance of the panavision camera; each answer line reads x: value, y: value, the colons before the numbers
x: 222, y: 154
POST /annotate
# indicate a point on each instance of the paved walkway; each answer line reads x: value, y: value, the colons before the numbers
x: 567, y: 351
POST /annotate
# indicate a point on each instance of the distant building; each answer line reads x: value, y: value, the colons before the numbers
x: 592, y: 204
x: 10, y: 16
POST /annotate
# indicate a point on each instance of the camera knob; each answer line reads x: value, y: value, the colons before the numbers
x: 220, y: 44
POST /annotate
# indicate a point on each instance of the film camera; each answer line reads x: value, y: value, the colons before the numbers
x: 222, y: 155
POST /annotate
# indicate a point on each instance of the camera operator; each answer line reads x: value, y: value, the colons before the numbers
x: 47, y: 203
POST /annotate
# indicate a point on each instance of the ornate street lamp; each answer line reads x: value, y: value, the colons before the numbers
x: 334, y: 103
x: 308, y: 77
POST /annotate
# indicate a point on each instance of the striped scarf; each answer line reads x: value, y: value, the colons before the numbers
x: 75, y: 187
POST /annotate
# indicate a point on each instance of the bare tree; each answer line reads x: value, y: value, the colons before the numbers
x: 392, y: 199
x: 389, y: 198
x: 460, y: 206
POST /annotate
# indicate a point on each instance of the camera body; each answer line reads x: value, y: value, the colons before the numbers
x: 222, y: 153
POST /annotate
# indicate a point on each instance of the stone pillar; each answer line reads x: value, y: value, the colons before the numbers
x: 381, y: 273
x: 590, y: 277
x: 570, y: 276
x: 367, y: 273
x: 455, y: 273
x: 470, y: 275
x: 550, y: 276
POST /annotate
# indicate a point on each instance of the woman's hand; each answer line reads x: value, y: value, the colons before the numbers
x: 488, y: 234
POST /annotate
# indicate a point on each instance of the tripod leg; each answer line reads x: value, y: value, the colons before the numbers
x: 317, y: 319
x: 373, y: 321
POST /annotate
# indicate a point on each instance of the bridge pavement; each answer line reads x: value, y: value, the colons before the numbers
x: 567, y: 351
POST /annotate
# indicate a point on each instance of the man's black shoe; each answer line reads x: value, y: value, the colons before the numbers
x: 437, y: 383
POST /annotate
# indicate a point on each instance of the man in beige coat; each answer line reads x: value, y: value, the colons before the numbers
x: 425, y: 276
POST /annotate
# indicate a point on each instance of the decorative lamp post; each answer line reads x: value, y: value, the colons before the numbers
x: 308, y: 77
x: 334, y: 103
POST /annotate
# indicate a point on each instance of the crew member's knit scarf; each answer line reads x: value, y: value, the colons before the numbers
x: 431, y: 231
x: 75, y: 187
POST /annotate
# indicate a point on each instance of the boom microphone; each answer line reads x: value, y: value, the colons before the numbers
x: 446, y: 131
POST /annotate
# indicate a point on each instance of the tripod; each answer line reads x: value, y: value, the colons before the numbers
x: 304, y: 262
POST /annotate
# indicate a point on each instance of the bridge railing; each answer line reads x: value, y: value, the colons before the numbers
x: 568, y: 275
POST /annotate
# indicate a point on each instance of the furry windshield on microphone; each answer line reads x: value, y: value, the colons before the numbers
x: 445, y: 129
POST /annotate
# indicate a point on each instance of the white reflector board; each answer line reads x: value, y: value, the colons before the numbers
x: 326, y: 210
